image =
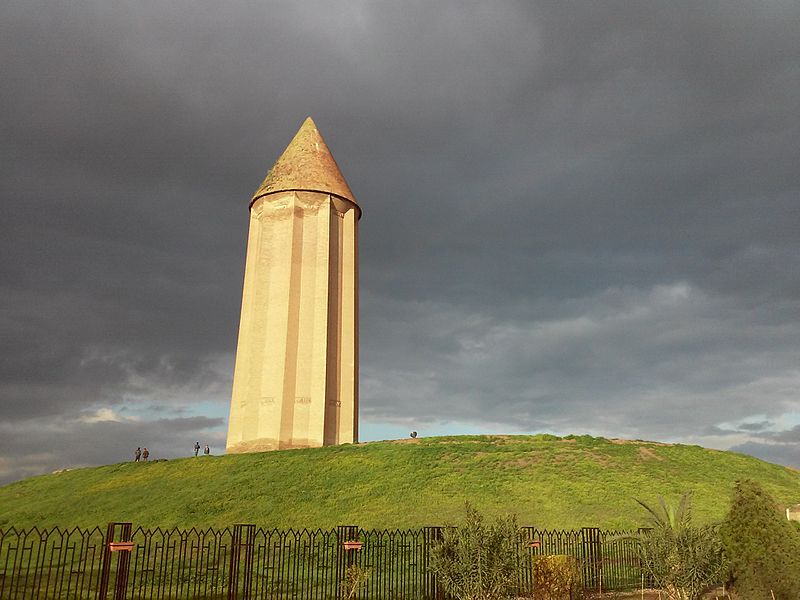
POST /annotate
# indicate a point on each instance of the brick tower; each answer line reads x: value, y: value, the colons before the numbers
x: 295, y: 383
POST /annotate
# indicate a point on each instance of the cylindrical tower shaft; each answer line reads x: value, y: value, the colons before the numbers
x: 296, y: 375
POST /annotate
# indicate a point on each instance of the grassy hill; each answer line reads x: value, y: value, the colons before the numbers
x: 547, y: 481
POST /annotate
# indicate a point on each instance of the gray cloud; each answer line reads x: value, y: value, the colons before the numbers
x: 46, y: 445
x: 576, y: 218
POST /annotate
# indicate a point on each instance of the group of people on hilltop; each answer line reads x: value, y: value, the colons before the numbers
x: 142, y: 454
x: 206, y: 449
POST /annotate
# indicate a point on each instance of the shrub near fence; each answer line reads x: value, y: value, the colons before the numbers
x: 246, y: 562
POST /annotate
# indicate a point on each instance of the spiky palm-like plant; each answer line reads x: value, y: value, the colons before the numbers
x: 683, y: 559
x: 670, y: 516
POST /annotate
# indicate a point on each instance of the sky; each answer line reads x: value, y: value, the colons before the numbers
x: 578, y: 218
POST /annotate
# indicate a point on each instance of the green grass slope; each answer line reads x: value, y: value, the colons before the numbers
x: 547, y: 481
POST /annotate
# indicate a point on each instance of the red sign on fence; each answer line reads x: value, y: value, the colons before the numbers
x: 120, y: 546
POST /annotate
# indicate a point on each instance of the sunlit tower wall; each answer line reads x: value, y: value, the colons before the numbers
x: 295, y: 382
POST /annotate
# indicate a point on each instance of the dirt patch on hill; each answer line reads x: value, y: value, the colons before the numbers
x: 527, y: 461
x: 647, y: 454
x: 599, y: 459
x: 622, y: 442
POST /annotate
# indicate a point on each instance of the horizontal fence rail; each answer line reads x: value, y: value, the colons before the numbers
x: 245, y: 562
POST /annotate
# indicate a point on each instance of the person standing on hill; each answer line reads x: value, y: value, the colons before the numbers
x: 137, y: 455
x: 206, y: 450
x: 145, y: 454
x: 196, y: 448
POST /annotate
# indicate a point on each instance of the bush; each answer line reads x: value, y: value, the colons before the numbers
x: 355, y: 578
x: 479, y: 561
x: 763, y: 547
x: 686, y: 563
x: 557, y: 577
x: 682, y: 559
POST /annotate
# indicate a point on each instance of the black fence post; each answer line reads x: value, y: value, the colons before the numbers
x: 592, y: 556
x: 241, y: 567
x: 344, y: 557
x: 431, y: 536
x: 529, y: 544
x: 123, y: 562
x: 105, y: 568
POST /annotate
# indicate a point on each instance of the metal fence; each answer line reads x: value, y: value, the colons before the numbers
x: 245, y: 562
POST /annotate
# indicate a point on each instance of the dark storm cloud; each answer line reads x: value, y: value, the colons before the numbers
x: 777, y: 453
x: 577, y: 217
x: 761, y: 426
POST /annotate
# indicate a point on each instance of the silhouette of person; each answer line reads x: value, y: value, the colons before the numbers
x: 137, y: 455
x: 145, y: 454
x: 196, y: 448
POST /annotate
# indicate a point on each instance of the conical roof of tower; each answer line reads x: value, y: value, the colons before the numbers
x: 306, y: 164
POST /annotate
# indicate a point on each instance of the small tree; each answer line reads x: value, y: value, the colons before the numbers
x: 479, y: 561
x: 683, y: 559
x: 763, y: 547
